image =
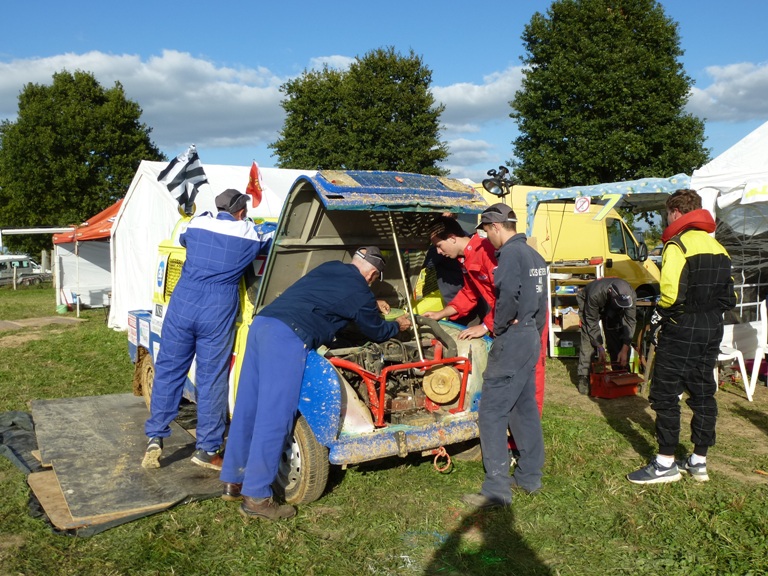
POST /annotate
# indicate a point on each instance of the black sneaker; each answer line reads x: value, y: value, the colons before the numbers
x: 697, y: 471
x: 583, y: 385
x: 152, y: 454
x: 655, y: 473
x: 206, y: 460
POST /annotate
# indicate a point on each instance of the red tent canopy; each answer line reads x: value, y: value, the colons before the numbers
x: 96, y: 228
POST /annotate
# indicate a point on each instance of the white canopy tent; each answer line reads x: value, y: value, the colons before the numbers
x: 734, y: 188
x: 149, y: 214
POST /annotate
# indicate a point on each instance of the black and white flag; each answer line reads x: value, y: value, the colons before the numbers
x: 183, y: 177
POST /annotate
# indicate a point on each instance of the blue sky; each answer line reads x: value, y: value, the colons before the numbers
x: 209, y: 73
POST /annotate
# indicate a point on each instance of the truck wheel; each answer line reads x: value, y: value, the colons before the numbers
x: 145, y: 371
x: 303, y: 470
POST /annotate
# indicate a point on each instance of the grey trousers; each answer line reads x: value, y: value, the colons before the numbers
x: 509, y: 401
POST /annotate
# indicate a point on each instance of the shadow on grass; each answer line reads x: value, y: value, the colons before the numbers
x: 625, y: 415
x: 486, y: 542
x: 757, y: 418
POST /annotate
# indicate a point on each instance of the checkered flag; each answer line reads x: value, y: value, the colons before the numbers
x: 183, y: 177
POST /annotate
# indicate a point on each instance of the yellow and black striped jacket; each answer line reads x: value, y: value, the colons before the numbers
x: 695, y: 275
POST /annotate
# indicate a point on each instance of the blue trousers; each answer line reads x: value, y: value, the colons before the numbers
x: 509, y: 402
x: 266, y: 404
x: 199, y: 323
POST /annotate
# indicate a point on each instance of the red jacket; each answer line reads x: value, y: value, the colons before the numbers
x: 478, y: 265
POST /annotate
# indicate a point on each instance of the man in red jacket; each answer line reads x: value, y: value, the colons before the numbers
x: 478, y: 258
x: 478, y: 261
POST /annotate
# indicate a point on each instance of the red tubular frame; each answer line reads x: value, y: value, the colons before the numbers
x: 378, y: 397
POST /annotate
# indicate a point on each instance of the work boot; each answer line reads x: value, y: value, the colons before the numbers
x: 231, y: 492
x: 583, y: 385
x: 208, y: 460
x: 481, y: 501
x: 152, y: 453
x: 265, y: 508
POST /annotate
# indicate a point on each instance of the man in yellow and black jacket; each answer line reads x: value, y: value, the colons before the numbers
x: 687, y: 327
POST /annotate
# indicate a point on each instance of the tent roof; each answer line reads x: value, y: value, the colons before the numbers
x: 95, y: 228
x: 643, y: 194
x: 740, y: 174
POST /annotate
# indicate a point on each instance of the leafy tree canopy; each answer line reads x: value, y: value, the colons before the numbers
x: 378, y: 115
x: 603, y: 96
x: 71, y: 153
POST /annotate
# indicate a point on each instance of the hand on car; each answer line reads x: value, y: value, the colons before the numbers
x: 403, y: 322
x: 473, y: 332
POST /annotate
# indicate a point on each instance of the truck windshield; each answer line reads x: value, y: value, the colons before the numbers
x: 620, y: 241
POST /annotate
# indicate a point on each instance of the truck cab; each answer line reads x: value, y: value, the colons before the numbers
x: 360, y: 401
x: 563, y: 233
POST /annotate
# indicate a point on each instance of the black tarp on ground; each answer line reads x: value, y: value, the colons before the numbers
x: 95, y: 445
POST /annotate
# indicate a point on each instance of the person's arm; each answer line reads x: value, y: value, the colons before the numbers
x: 369, y: 320
x: 440, y: 314
x: 508, y: 286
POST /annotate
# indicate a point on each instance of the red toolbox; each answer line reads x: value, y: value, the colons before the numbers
x: 607, y: 381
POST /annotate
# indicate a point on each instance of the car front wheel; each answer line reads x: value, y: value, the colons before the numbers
x: 303, y: 470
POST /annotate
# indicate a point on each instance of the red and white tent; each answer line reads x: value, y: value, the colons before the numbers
x: 82, y: 261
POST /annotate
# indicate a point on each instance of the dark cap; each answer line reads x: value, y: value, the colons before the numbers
x: 372, y: 255
x: 231, y: 201
x: 499, y: 213
x: 621, y: 300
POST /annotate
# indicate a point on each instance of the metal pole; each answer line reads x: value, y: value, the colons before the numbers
x: 405, y: 288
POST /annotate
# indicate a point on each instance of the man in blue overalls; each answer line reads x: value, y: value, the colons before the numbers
x: 509, y: 384
x: 306, y: 315
x: 199, y: 323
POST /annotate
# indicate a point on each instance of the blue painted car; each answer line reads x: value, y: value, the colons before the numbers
x: 360, y: 401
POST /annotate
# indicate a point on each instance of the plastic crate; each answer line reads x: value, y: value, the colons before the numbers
x: 607, y: 382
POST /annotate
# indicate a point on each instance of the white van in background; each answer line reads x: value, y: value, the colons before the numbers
x: 27, y: 270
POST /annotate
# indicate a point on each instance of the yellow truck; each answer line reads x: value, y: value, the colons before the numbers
x: 582, y: 229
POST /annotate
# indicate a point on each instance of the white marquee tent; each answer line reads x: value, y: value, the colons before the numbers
x: 734, y: 187
x: 149, y: 213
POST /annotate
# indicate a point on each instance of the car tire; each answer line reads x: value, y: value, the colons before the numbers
x: 303, y: 469
x: 145, y: 372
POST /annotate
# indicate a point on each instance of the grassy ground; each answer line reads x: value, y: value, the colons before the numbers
x: 401, y: 516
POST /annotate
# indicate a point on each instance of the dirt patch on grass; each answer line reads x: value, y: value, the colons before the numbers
x: 742, y: 426
x: 21, y: 338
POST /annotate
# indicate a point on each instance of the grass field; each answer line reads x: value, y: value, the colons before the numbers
x: 401, y: 516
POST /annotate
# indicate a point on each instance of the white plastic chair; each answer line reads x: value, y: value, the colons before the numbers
x: 762, y: 348
x: 729, y: 354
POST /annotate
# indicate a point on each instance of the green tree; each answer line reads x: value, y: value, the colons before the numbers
x: 378, y: 115
x: 603, y: 96
x: 71, y: 152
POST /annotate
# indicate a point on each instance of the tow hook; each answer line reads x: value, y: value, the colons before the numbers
x: 444, y: 467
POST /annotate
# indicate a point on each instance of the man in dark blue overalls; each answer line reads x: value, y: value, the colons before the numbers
x: 199, y: 323
x: 509, y: 385
x: 306, y: 315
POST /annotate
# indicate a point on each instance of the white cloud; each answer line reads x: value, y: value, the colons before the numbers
x: 737, y: 94
x: 467, y: 105
x: 185, y: 99
x: 188, y: 99
x: 335, y: 62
